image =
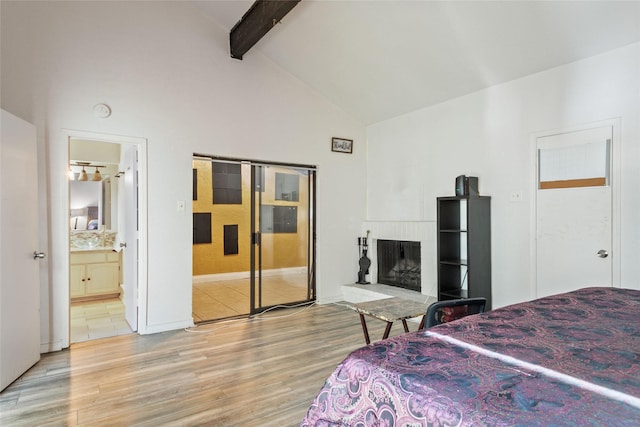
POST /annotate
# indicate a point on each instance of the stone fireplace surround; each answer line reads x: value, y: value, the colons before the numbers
x: 414, y: 231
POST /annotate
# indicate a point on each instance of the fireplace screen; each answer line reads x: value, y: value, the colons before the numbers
x: 399, y: 264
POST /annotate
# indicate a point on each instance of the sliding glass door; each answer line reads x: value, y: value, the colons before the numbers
x: 283, y: 219
x: 253, y: 229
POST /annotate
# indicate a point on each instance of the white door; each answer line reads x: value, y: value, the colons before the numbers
x: 574, y: 211
x: 19, y: 270
x: 130, y: 255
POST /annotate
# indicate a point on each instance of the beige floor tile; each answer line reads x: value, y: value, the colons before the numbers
x: 217, y: 300
x: 97, y: 319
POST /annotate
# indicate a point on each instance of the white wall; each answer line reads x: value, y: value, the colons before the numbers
x: 414, y: 158
x: 166, y: 73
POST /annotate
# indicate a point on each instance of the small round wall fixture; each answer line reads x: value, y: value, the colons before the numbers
x: 101, y: 111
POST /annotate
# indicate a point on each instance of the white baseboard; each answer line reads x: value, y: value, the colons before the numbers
x: 164, y: 327
x: 49, y: 347
x: 329, y: 299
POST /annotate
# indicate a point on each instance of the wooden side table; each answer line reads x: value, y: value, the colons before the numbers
x: 390, y: 310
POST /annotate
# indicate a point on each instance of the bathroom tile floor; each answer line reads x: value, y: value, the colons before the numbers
x: 92, y: 320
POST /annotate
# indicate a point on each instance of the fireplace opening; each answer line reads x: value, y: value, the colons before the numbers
x: 399, y: 264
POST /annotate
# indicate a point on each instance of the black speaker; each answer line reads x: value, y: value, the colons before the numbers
x: 467, y: 185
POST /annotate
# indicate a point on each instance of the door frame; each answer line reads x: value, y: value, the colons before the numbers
x: 141, y: 144
x: 616, y: 125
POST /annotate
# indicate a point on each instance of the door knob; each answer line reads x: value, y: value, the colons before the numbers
x: 123, y: 245
x: 602, y: 253
x: 38, y: 255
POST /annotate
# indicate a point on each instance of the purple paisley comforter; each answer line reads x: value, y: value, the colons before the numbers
x: 571, y: 359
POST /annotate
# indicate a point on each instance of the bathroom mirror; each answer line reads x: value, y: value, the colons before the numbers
x: 85, y: 205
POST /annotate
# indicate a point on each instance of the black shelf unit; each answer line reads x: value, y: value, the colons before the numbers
x: 464, y: 247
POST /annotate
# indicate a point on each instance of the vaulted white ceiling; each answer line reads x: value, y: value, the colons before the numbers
x: 380, y: 59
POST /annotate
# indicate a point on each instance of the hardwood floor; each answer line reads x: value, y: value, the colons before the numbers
x: 263, y: 371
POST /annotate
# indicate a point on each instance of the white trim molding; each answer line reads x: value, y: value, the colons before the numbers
x: 61, y: 302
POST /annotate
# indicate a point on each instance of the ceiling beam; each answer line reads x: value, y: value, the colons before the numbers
x: 259, y: 19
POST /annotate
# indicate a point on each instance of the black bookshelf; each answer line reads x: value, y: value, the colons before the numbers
x: 464, y: 248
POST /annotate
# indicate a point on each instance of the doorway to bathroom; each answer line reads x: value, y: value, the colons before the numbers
x: 253, y: 237
x: 103, y: 237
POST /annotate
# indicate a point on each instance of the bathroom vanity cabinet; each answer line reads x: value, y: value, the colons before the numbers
x: 94, y: 274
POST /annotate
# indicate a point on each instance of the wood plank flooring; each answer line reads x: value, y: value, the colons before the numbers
x: 263, y: 371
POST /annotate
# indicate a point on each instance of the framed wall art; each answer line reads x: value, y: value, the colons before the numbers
x: 341, y: 145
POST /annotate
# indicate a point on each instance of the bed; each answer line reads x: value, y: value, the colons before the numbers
x: 571, y: 359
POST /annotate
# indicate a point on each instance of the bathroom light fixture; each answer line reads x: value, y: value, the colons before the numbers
x: 96, y: 175
x: 83, y: 175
